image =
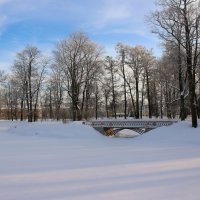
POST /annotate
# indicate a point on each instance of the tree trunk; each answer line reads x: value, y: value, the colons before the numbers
x: 190, y: 68
x: 198, y: 108
x: 86, y: 104
x: 181, y: 88
x: 161, y: 101
x: 132, y: 99
x: 96, y: 103
x: 113, y: 91
x: 35, y: 116
x: 22, y: 110
x: 192, y: 97
x: 142, y: 99
x: 30, y: 99
x: 167, y: 100
x: 106, y: 99
x: 124, y: 77
x: 137, y: 98
x: 156, y: 111
x: 50, y: 104
x: 148, y: 95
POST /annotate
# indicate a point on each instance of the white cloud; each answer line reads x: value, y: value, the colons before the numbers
x: 88, y: 14
x: 114, y: 11
x: 100, y: 17
x: 3, y: 2
x: 110, y: 13
x: 122, y: 15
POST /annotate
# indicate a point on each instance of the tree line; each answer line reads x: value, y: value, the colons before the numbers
x: 79, y: 82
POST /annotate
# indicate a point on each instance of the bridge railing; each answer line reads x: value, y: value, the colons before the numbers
x: 130, y: 123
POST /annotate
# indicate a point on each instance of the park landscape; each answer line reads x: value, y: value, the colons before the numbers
x: 99, y: 100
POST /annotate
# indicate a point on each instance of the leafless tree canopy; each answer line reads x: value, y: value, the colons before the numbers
x: 80, y: 82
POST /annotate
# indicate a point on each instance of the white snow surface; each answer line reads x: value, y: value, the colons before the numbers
x: 55, y: 161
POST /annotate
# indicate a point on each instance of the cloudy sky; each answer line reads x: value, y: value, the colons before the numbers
x: 45, y: 22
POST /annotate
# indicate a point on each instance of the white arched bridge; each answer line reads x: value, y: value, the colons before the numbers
x: 111, y: 127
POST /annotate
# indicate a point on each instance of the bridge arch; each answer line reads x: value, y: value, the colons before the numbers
x: 111, y: 127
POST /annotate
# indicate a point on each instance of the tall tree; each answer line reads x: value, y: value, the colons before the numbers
x: 110, y: 67
x: 134, y: 61
x: 177, y: 22
x: 78, y: 57
x: 29, y: 68
x: 121, y: 49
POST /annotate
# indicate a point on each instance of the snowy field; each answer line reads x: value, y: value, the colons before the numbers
x: 55, y: 161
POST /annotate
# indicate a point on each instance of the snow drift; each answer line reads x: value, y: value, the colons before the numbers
x: 51, y: 161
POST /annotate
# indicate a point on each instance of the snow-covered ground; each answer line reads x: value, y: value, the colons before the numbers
x: 55, y: 161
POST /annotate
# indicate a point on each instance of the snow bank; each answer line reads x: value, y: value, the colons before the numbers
x: 177, y: 134
x: 55, y: 130
x: 55, y: 161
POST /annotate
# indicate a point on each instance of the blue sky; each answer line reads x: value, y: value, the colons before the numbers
x: 45, y: 22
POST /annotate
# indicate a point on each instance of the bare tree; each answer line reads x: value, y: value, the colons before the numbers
x: 177, y: 22
x: 147, y: 63
x: 29, y: 68
x: 56, y: 91
x: 134, y: 61
x: 78, y: 57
